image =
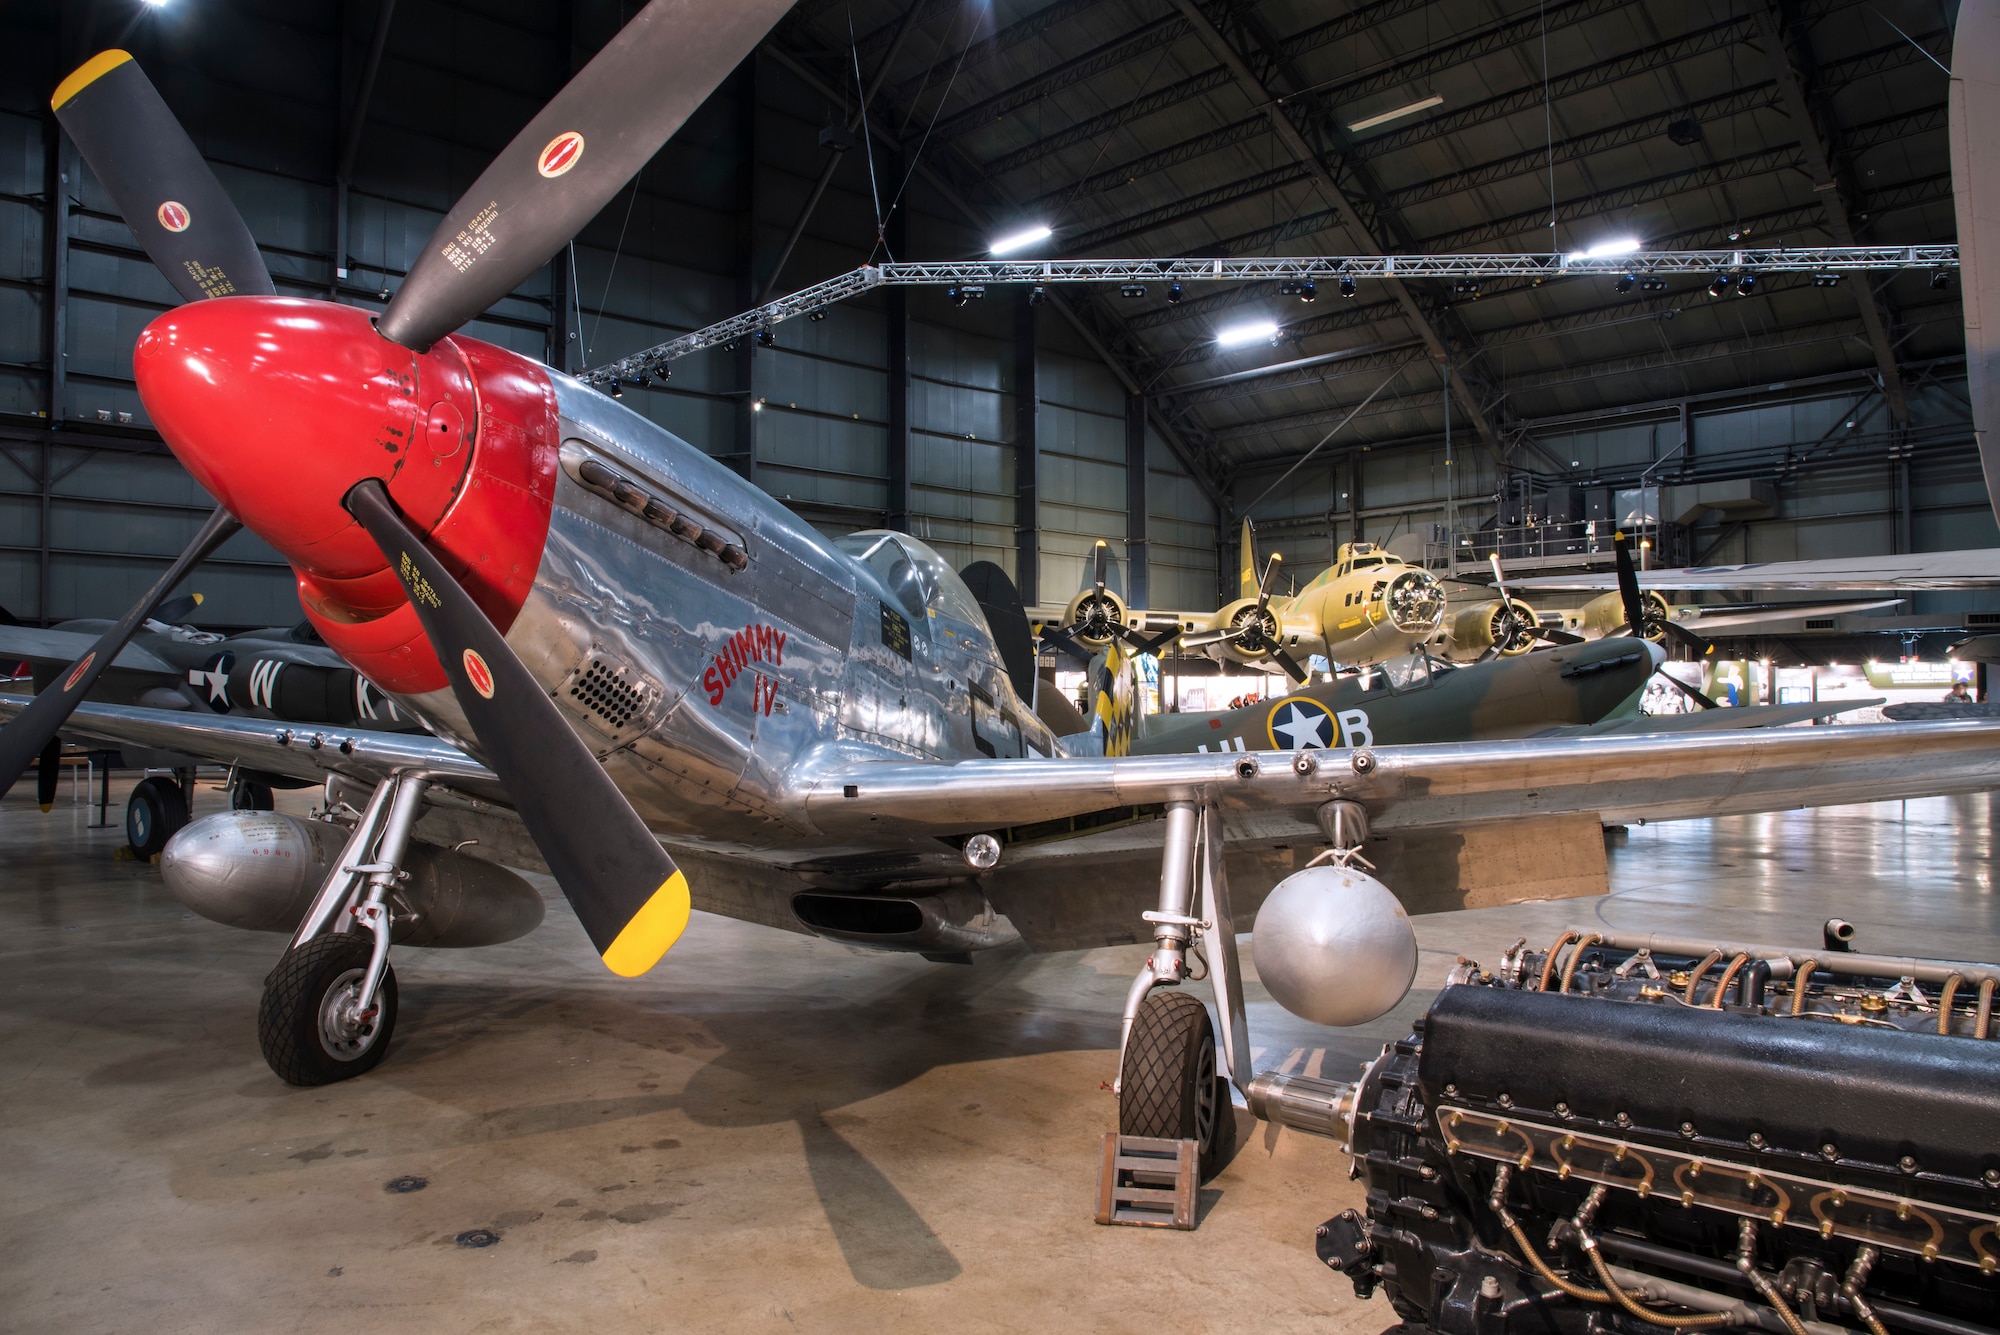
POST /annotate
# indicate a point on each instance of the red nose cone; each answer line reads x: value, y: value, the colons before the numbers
x: 279, y: 406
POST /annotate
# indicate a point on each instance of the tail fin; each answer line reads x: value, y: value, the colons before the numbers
x: 1975, y: 180
x: 1117, y: 699
x: 1247, y: 582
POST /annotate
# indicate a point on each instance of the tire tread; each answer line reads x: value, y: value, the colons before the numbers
x: 288, y: 1014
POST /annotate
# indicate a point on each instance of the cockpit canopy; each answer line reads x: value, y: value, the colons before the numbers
x: 1359, y: 556
x: 916, y: 576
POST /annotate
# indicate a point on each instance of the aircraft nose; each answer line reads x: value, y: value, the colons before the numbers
x: 279, y: 406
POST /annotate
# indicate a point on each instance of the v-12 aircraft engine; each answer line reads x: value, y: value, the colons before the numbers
x: 1637, y: 1134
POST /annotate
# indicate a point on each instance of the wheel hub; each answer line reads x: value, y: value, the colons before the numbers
x: 345, y: 1029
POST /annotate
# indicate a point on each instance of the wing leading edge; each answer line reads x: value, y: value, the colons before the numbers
x: 1269, y: 794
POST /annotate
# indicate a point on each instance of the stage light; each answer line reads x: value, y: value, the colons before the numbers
x: 1623, y: 245
x: 1021, y: 240
x: 1257, y: 331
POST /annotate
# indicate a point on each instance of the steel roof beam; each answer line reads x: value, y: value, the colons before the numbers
x: 1827, y: 183
x: 1804, y: 336
x: 1346, y: 27
x: 1331, y: 191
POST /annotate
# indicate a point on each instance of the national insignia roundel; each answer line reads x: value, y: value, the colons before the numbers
x: 174, y: 216
x: 478, y: 673
x: 1300, y: 724
x: 76, y: 673
x: 560, y: 154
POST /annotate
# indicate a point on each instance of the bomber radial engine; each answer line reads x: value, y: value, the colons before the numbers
x: 1634, y: 1134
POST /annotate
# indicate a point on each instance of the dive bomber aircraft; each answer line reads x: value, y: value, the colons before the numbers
x: 624, y: 648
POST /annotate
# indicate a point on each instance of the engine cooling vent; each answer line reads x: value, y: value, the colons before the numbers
x: 605, y: 691
x: 1822, y: 623
x: 1982, y: 618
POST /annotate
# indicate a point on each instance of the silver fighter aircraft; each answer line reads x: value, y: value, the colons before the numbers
x: 651, y: 679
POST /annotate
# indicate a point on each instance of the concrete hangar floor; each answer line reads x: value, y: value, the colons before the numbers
x: 771, y: 1133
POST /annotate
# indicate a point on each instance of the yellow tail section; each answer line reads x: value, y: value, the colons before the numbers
x: 1117, y: 698
x: 1246, y: 556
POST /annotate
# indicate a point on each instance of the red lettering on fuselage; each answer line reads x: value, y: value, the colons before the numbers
x: 752, y: 644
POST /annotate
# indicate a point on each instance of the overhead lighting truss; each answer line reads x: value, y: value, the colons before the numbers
x: 1344, y: 269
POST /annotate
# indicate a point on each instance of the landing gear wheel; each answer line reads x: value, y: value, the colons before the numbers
x: 306, y: 1023
x: 154, y: 813
x: 249, y: 795
x: 1169, y: 1087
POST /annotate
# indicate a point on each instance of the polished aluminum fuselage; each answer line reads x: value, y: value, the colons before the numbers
x: 713, y: 695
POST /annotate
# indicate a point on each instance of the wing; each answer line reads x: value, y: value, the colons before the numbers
x: 1718, y: 720
x: 309, y: 753
x: 60, y: 648
x: 1273, y: 796
x: 1975, y: 569
x: 1716, y: 618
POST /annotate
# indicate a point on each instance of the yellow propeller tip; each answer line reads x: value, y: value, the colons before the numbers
x: 652, y: 931
x: 47, y: 807
x: 86, y: 74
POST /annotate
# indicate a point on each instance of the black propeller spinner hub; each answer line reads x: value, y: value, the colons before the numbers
x: 1097, y: 618
x: 1255, y: 629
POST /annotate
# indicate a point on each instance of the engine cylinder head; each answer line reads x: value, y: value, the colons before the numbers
x: 1334, y: 945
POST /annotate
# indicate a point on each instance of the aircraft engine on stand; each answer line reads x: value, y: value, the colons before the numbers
x: 1632, y: 1133
x: 259, y: 870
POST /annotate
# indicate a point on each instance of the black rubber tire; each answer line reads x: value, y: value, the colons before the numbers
x: 249, y: 795
x: 1168, y: 1086
x: 154, y: 813
x: 298, y: 990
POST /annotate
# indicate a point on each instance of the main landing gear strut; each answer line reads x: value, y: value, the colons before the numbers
x: 1170, y: 1084
x: 329, y: 1007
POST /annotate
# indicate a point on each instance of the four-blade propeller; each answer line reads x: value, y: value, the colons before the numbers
x: 1645, y: 622
x: 556, y: 174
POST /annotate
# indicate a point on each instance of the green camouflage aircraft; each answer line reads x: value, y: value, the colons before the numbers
x: 1586, y: 689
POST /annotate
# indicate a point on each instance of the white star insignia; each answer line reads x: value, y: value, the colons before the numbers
x: 1304, y: 728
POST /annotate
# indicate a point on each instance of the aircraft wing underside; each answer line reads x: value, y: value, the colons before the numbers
x: 298, y: 752
x: 1975, y: 569
x: 60, y: 648
x: 1267, y: 796
x: 1071, y: 807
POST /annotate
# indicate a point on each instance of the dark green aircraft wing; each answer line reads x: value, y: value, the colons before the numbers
x: 1713, y: 720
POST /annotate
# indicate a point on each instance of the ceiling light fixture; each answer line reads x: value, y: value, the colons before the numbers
x: 1383, y: 118
x: 1624, y: 245
x: 1021, y: 240
x: 1257, y: 331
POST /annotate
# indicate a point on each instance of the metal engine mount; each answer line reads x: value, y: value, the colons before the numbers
x: 1639, y: 1134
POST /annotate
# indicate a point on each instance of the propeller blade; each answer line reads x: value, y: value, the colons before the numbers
x: 1701, y: 647
x: 1554, y: 636
x: 1064, y: 642
x: 1201, y: 639
x: 628, y: 894
x: 165, y: 191
x: 1687, y: 690
x: 569, y: 161
x: 1628, y: 585
x: 175, y: 610
x: 1102, y: 554
x: 1270, y: 576
x: 1148, y: 644
x: 23, y: 739
x: 46, y: 774
x: 1289, y: 664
